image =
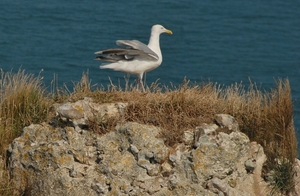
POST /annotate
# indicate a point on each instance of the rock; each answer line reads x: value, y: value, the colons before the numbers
x: 296, y: 177
x: 82, y: 111
x: 132, y: 159
x: 247, y: 183
x: 227, y: 121
x: 188, y: 138
x: 206, y: 133
x: 175, y: 155
x: 250, y: 165
x: 218, y: 159
x: 45, y: 156
x: 218, y: 186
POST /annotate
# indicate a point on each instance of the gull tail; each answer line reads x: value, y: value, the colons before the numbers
x: 108, y: 66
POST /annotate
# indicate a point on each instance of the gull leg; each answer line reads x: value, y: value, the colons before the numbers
x: 137, y: 82
x: 140, y: 77
x: 143, y: 88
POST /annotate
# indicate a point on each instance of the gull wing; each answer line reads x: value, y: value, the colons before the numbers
x: 135, y: 44
x: 117, y: 54
x: 135, y: 50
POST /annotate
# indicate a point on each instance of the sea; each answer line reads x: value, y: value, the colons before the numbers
x: 221, y: 41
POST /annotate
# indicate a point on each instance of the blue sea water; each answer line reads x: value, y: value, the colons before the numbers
x: 221, y: 41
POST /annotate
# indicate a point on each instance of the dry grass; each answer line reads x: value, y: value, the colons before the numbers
x: 175, y: 111
x: 265, y: 116
x: 22, y: 102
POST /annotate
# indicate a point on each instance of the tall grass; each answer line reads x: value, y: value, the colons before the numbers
x: 22, y: 102
x: 267, y: 117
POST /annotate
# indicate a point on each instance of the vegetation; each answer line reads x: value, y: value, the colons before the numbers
x: 23, y: 101
x: 283, y: 174
x: 265, y: 116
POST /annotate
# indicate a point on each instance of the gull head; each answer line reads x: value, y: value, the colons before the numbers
x: 160, y: 29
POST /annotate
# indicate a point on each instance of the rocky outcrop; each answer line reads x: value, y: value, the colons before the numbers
x: 78, y: 114
x: 132, y: 159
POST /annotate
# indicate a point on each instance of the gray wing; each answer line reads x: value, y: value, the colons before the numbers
x: 135, y: 50
x: 135, y: 44
x: 117, y: 54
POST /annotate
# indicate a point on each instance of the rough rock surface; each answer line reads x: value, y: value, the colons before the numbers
x: 133, y: 160
x: 82, y: 111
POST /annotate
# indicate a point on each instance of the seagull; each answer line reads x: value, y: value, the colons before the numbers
x: 136, y: 58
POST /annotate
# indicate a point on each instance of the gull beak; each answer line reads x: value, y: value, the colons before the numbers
x: 169, y: 31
